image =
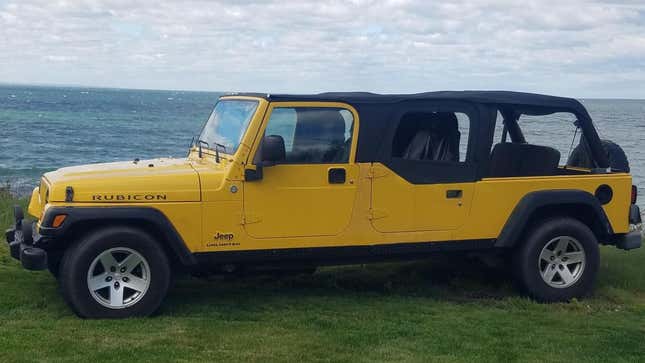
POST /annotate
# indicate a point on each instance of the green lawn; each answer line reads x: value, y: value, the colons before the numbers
x: 443, y: 310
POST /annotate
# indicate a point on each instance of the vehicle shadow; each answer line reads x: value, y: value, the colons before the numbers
x: 449, y: 277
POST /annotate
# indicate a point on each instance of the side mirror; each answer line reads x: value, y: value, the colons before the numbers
x: 253, y: 175
x: 273, y: 150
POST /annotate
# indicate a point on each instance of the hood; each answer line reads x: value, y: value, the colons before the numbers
x: 155, y: 180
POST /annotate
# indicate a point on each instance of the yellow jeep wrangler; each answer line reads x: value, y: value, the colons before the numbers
x: 336, y: 178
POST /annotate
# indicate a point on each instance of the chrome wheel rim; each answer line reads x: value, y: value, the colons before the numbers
x: 118, y: 278
x: 562, y: 262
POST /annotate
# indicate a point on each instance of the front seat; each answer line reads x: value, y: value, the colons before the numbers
x: 319, y: 135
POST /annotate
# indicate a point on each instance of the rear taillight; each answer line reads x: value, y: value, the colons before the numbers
x: 634, y: 194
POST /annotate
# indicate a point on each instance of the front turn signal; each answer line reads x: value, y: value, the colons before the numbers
x: 58, y: 220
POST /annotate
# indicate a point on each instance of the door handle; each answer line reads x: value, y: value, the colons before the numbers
x: 451, y: 194
x: 336, y: 176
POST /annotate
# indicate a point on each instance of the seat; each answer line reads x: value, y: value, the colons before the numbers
x: 418, y: 147
x: 516, y: 159
x: 445, y: 138
x: 436, y: 138
x: 319, y: 136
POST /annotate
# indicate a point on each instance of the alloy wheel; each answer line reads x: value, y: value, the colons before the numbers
x: 562, y: 262
x: 118, y: 278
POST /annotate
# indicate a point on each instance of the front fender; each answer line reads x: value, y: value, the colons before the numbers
x: 80, y: 218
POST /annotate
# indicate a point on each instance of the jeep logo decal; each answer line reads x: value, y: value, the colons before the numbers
x: 122, y: 197
x: 223, y: 236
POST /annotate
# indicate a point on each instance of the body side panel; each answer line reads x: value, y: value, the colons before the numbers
x: 496, y: 198
x: 493, y: 203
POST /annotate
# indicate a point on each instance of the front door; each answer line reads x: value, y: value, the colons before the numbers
x: 310, y: 192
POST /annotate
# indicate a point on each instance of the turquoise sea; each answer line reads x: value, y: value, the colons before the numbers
x: 44, y: 128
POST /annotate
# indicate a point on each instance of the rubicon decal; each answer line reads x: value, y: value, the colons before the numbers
x: 124, y: 197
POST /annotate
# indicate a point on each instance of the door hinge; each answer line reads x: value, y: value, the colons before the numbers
x: 377, y: 214
x: 377, y: 172
x: 250, y: 219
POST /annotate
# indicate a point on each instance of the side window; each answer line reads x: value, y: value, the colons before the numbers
x: 556, y: 131
x: 432, y: 136
x: 313, y: 135
x: 283, y: 123
x: 499, y: 129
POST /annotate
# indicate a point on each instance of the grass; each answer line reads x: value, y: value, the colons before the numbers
x: 445, y: 310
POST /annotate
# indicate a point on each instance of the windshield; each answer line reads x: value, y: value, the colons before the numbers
x: 227, y: 124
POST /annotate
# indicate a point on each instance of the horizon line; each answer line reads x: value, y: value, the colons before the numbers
x: 60, y: 85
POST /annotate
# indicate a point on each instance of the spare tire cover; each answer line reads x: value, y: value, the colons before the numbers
x: 617, y: 158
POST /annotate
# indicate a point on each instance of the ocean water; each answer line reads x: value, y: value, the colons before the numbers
x: 44, y: 128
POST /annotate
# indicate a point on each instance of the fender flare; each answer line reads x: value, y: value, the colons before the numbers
x: 534, y: 201
x: 77, y: 216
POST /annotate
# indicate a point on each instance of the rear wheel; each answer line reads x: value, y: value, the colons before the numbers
x: 558, y: 260
x: 115, y: 272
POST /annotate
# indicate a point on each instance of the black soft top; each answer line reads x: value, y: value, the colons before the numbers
x: 377, y: 111
x: 528, y: 100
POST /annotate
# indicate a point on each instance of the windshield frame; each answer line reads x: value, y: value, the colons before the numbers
x: 213, y: 147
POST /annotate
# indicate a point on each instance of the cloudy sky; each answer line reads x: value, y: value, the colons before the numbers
x: 567, y: 47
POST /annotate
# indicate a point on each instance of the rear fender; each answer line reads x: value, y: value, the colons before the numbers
x: 544, y: 204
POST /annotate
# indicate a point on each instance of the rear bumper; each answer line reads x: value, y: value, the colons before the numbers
x: 22, y: 238
x: 632, y: 239
x: 634, y: 214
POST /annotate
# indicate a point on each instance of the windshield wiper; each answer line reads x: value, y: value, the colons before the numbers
x: 217, y: 146
x: 200, y: 142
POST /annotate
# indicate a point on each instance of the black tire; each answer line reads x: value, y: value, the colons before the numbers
x: 617, y: 158
x: 53, y: 262
x: 79, y: 258
x: 527, y: 264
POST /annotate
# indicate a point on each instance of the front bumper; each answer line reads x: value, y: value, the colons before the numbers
x: 21, y: 239
x: 629, y: 241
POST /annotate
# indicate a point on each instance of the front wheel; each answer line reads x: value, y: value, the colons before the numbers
x: 115, y: 272
x: 558, y: 261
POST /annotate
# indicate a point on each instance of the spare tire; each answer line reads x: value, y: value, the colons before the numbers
x: 617, y: 158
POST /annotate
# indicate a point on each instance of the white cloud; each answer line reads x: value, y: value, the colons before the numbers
x: 577, y: 47
x: 60, y: 58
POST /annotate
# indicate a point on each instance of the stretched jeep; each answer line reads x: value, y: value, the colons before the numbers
x: 301, y: 181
